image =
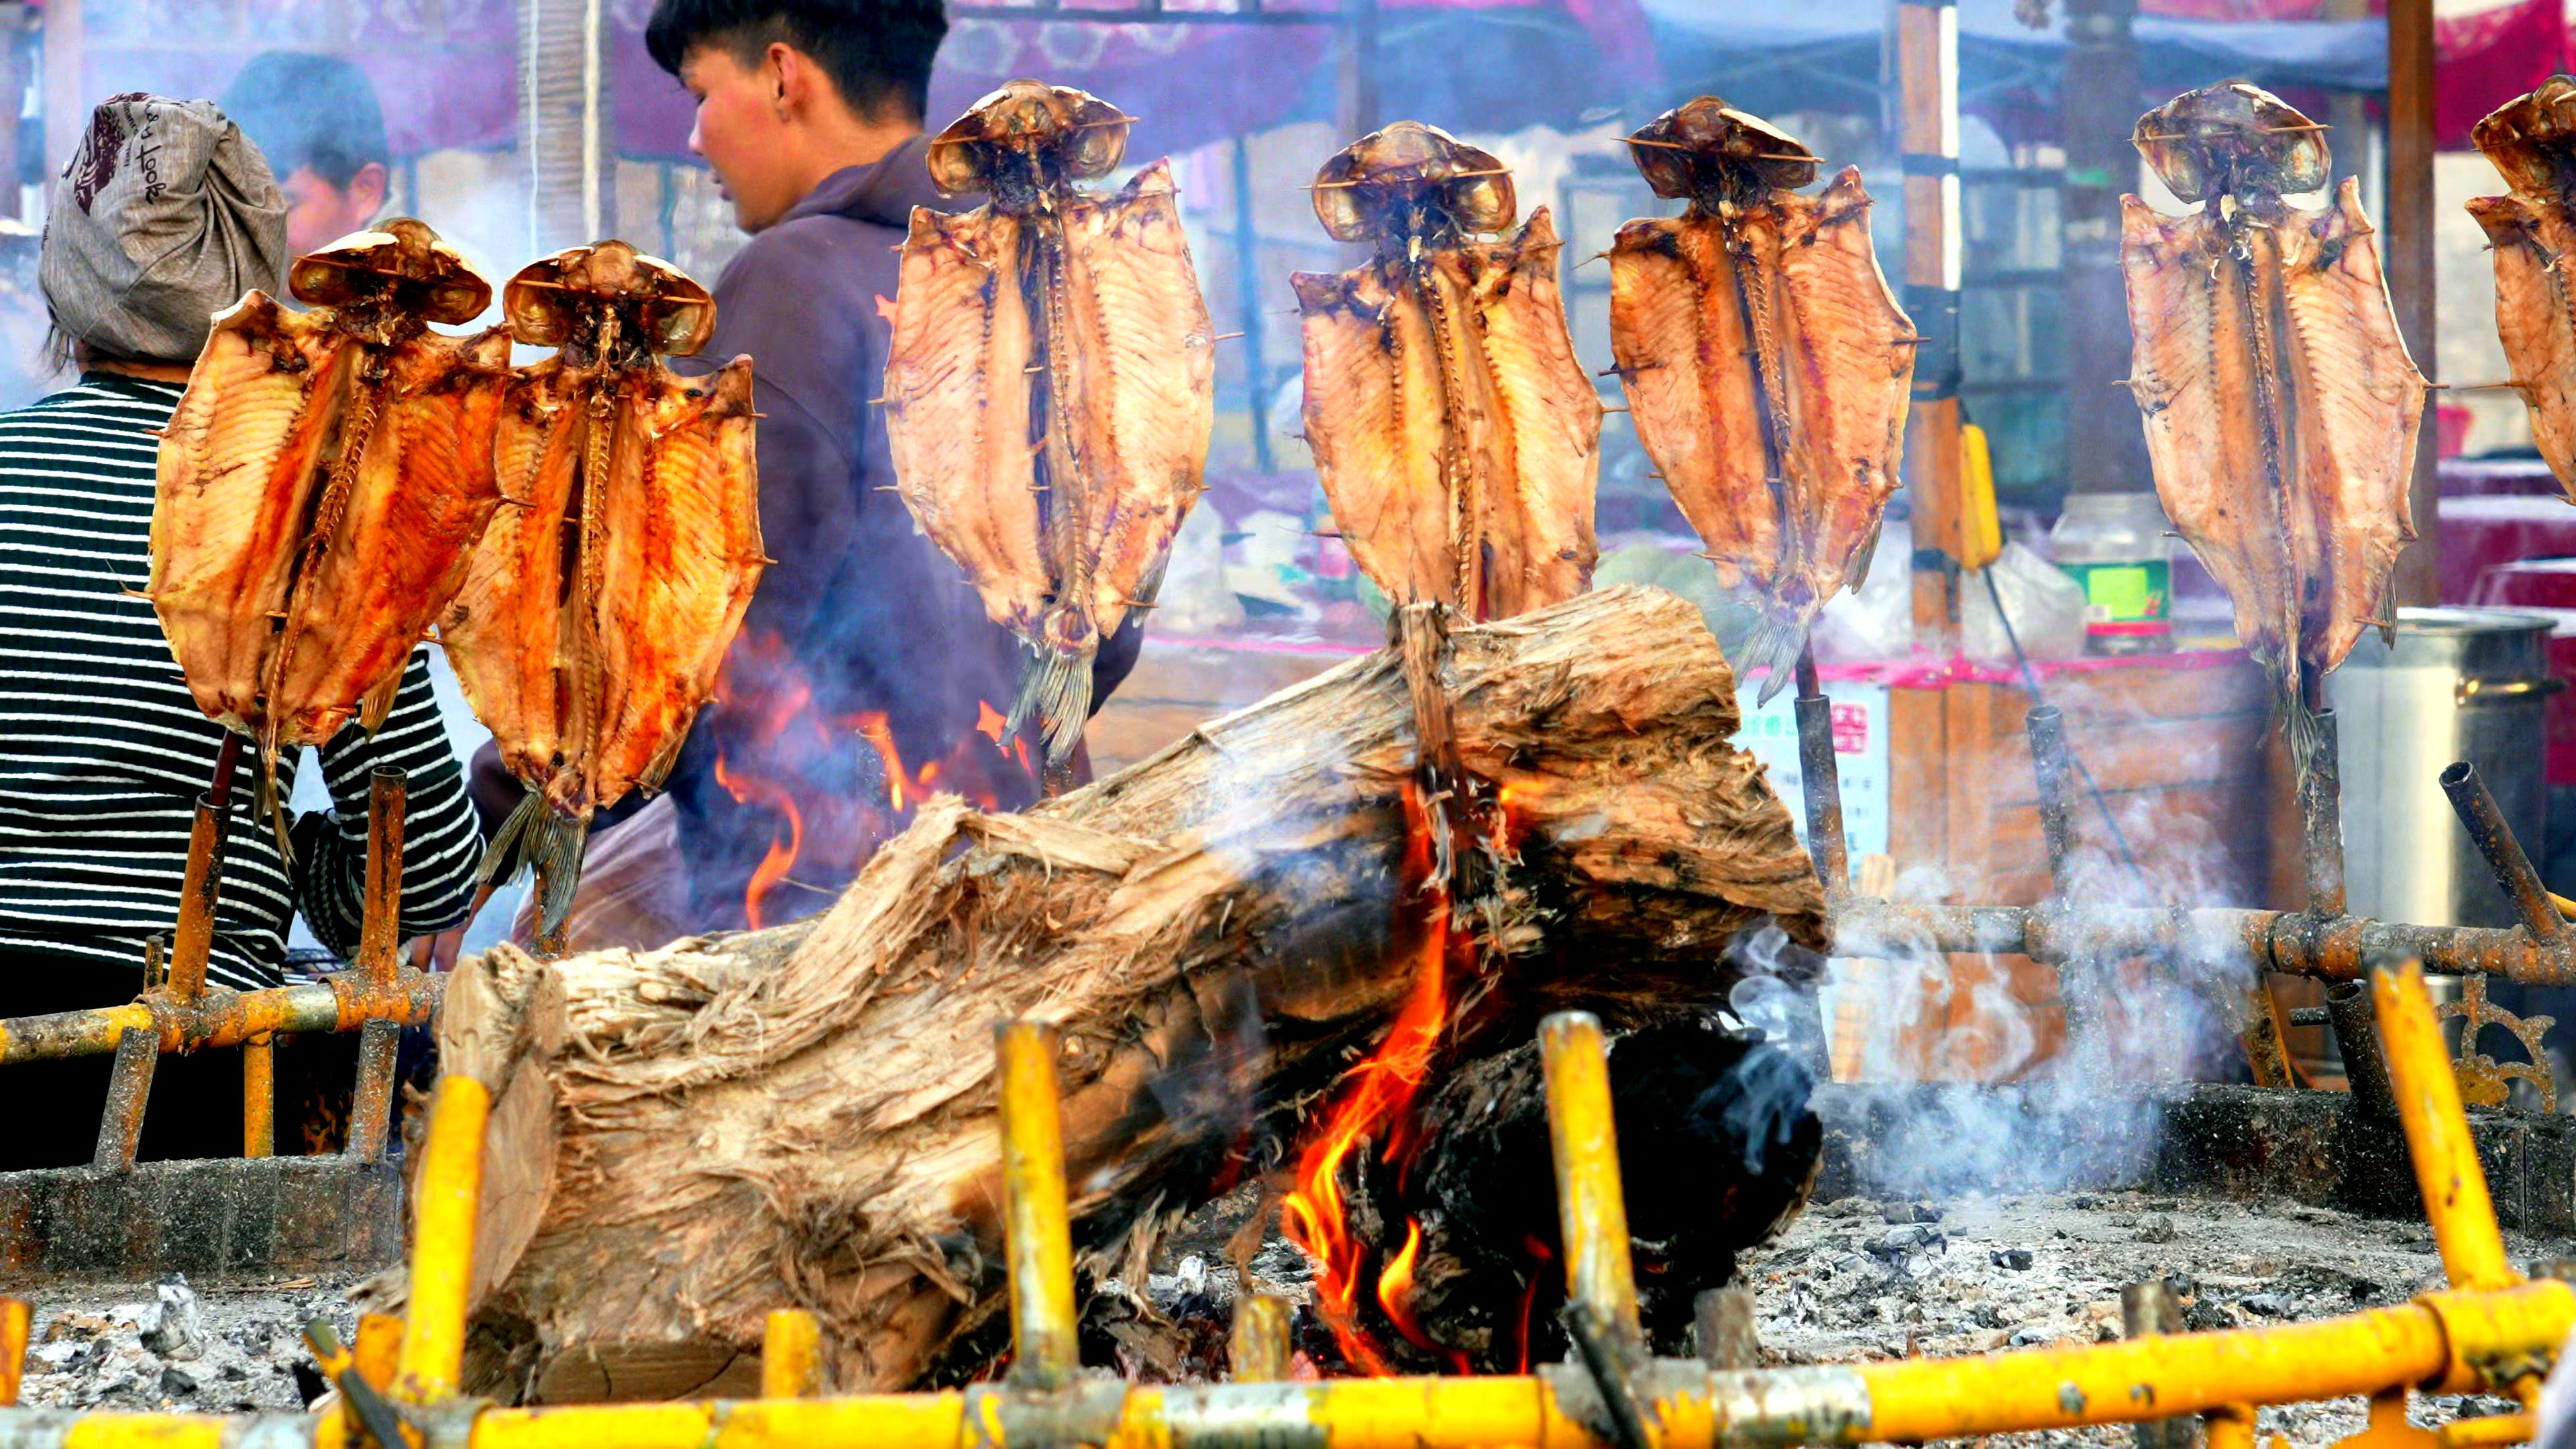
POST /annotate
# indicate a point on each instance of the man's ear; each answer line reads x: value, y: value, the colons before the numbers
x: 788, y: 75
x: 366, y: 192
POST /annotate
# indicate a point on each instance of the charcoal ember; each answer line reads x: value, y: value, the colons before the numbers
x: 1900, y: 1243
x: 2156, y: 1228
x: 176, y: 1382
x: 2017, y: 1259
x: 1911, y: 1212
x: 2270, y: 1305
x: 2203, y: 1315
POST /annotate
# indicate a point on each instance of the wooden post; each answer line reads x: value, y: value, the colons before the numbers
x: 1927, y: 61
x: 2106, y: 449
x: 2408, y: 226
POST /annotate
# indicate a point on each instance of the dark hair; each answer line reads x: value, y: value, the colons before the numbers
x: 307, y: 111
x: 877, y: 52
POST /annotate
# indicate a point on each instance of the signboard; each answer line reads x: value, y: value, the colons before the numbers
x: 1770, y: 735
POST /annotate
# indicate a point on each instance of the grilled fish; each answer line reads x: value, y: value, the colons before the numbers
x: 2281, y: 406
x: 1457, y: 438
x: 2532, y: 140
x: 322, y: 484
x: 1767, y: 365
x: 597, y: 610
x: 1052, y: 383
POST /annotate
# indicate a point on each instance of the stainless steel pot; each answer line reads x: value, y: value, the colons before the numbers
x: 2460, y: 684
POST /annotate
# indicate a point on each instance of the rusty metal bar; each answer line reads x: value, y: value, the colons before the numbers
x: 791, y: 1355
x: 2331, y: 948
x: 2146, y: 1310
x: 1259, y: 1347
x: 1820, y: 780
x: 341, y: 1001
x: 2437, y: 1131
x: 2321, y: 820
x: 195, y: 938
x: 371, y: 1105
x: 380, y: 925
x: 2048, y: 762
x: 1038, y: 1228
x: 2356, y: 1034
x: 1592, y: 1213
x: 259, y: 1097
x: 2494, y: 840
x: 129, y: 1091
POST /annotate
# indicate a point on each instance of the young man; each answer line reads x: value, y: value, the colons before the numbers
x: 810, y: 113
x: 316, y: 119
x: 166, y: 217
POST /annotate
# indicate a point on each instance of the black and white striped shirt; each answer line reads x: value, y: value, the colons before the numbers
x: 103, y: 752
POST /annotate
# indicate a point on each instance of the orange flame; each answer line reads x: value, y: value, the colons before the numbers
x: 781, y: 856
x: 1376, y: 1095
x: 991, y: 721
x: 1395, y: 1295
x: 903, y: 788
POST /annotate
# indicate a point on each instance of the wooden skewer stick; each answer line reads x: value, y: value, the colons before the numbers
x: 1452, y: 176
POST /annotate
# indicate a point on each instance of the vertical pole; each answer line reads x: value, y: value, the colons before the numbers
x: 2321, y: 820
x: 1723, y: 1319
x: 16, y: 1317
x: 1592, y: 1214
x: 2437, y: 1131
x: 1927, y: 53
x: 791, y: 1354
x: 1247, y: 286
x: 194, y: 940
x: 2408, y: 222
x: 444, y: 1197
x: 1359, y: 70
x: 2106, y: 449
x: 67, y: 95
x: 371, y: 1106
x: 2048, y: 760
x: 1820, y: 777
x: 1037, y: 1226
x: 381, y: 920
x: 13, y: 81
x: 129, y: 1090
x: 1260, y: 1343
x: 2146, y: 1310
x: 259, y: 1096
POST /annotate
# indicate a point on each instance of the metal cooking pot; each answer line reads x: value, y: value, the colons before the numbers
x: 2460, y: 684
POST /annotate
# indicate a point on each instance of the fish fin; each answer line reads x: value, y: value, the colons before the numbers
x: 538, y: 837
x: 2305, y: 736
x: 1776, y: 644
x: 1055, y: 696
x: 268, y: 803
x: 379, y: 701
x: 1862, y: 556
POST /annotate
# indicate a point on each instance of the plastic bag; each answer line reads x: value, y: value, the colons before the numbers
x: 2046, y: 609
x: 1877, y: 620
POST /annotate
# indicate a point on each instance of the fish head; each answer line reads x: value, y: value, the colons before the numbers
x: 1706, y: 151
x: 1412, y: 179
x: 2532, y: 139
x: 2233, y: 139
x: 568, y: 300
x: 1026, y: 141
x: 397, y: 271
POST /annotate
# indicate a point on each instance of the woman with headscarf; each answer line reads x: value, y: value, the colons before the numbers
x: 165, y: 216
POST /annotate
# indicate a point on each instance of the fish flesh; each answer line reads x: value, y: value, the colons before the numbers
x: 2532, y: 229
x: 2280, y: 404
x: 595, y: 614
x: 1051, y: 387
x: 322, y: 484
x: 1457, y: 438
x: 1767, y: 365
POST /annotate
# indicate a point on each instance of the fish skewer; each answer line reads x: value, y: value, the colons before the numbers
x: 321, y: 485
x: 2532, y: 229
x: 1051, y: 387
x: 597, y: 610
x: 2280, y: 404
x: 1767, y: 365
x: 1457, y: 438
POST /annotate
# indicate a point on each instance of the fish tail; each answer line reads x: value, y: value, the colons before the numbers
x: 1775, y: 644
x: 2306, y: 737
x: 1055, y: 695
x: 267, y: 803
x: 541, y: 838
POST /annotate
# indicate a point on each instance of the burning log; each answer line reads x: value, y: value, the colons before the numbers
x: 687, y: 1138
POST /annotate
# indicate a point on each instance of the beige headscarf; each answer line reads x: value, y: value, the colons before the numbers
x: 166, y: 215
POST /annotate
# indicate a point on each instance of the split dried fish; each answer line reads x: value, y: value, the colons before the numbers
x: 599, y: 607
x: 2281, y: 406
x: 1767, y: 366
x: 322, y: 484
x: 1052, y: 383
x: 2532, y: 229
x: 1457, y: 438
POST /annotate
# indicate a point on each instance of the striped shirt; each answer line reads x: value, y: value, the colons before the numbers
x: 103, y: 752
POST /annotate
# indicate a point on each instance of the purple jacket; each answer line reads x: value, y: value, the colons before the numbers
x: 859, y: 609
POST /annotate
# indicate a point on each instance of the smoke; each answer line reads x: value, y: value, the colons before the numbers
x: 1990, y: 1072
